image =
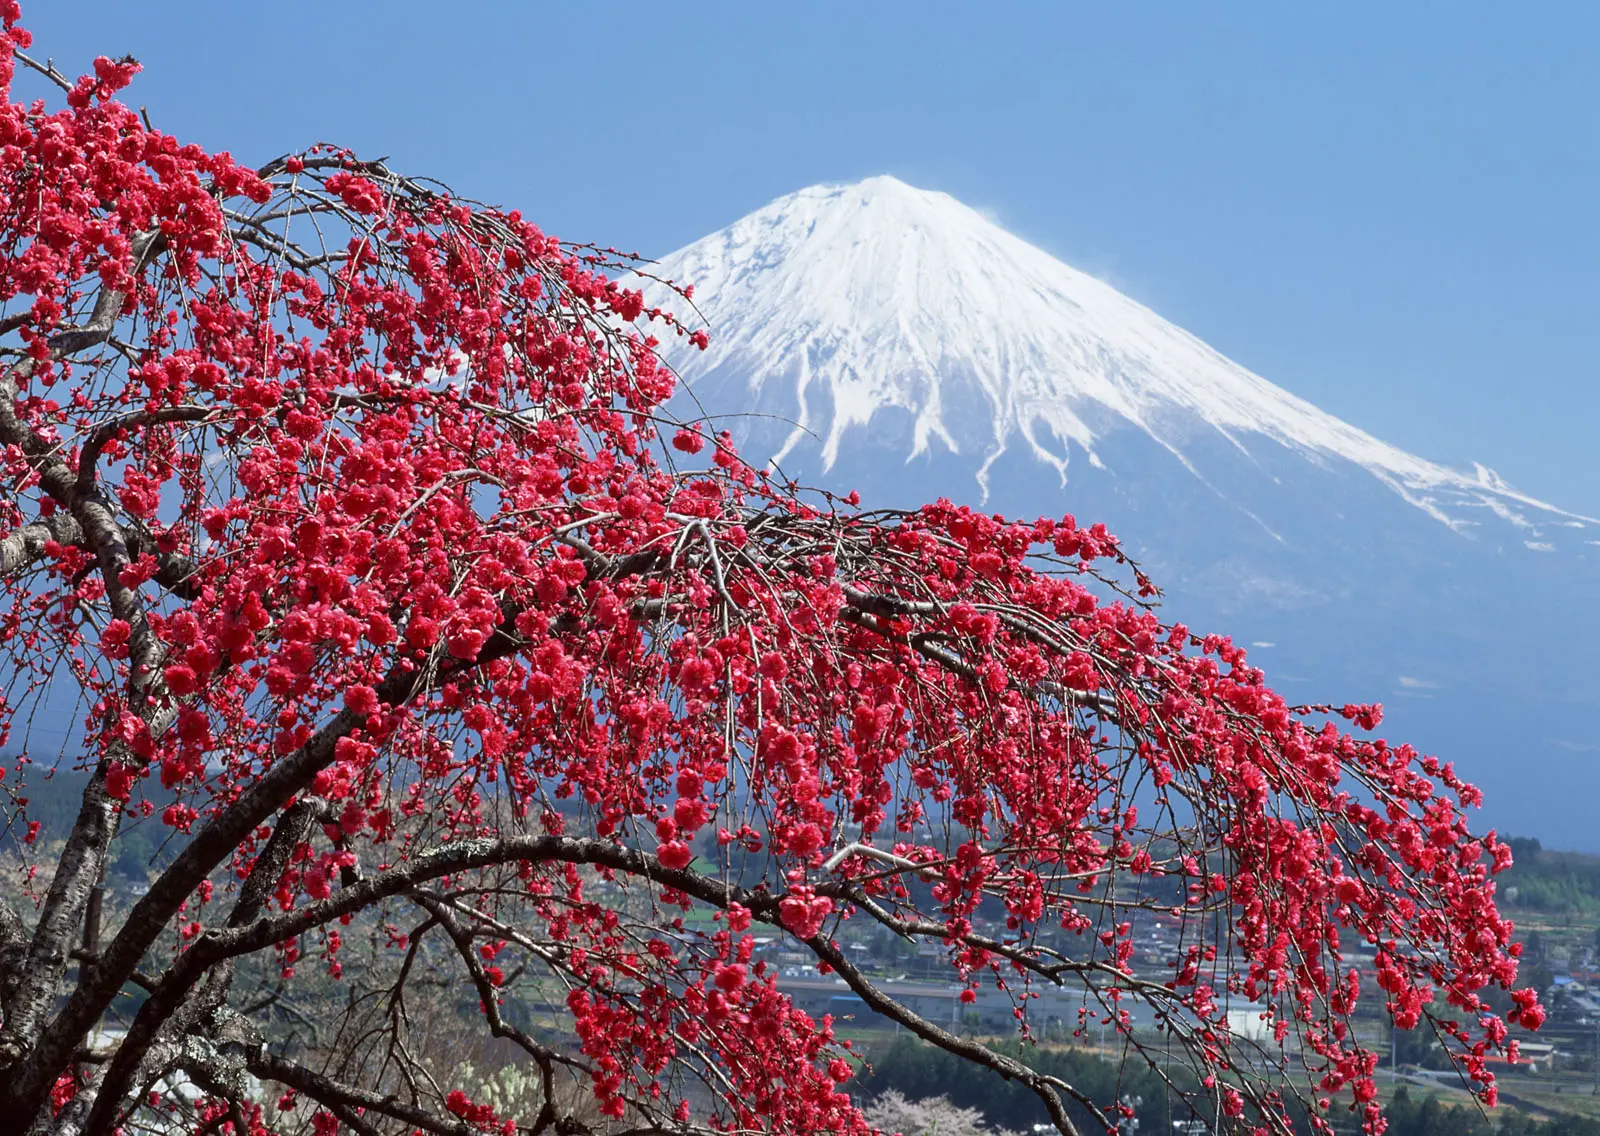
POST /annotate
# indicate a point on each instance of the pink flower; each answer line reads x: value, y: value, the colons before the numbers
x: 674, y: 854
x: 804, y: 915
x: 114, y: 639
x: 361, y: 699
x: 119, y: 781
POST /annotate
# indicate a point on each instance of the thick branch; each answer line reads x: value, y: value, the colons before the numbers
x: 13, y: 949
x: 107, y: 305
x: 287, y: 835
x: 333, y: 1094
x: 89, y: 457
x: 24, y: 546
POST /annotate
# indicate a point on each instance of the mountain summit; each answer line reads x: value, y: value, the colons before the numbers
x: 848, y: 310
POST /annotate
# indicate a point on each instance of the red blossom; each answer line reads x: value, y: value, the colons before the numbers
x: 689, y: 441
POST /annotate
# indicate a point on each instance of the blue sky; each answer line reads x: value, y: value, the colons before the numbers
x: 1390, y: 210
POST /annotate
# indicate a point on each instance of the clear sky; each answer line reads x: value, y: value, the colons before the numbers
x: 1390, y: 210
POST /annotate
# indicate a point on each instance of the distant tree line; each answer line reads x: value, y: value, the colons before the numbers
x: 1566, y: 882
x: 919, y: 1072
x: 140, y: 845
x: 1426, y: 1116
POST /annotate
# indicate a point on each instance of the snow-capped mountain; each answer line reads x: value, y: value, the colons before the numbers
x: 848, y: 305
x: 891, y: 339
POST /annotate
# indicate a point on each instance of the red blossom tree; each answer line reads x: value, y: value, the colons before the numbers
x: 434, y: 648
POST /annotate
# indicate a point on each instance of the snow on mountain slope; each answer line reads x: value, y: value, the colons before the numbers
x: 839, y: 303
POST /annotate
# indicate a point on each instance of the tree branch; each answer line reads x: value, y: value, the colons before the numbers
x: 24, y: 546
x: 336, y: 1096
x: 89, y: 457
